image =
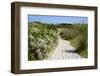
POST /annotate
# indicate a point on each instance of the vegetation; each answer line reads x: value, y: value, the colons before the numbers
x: 77, y: 34
x: 42, y: 38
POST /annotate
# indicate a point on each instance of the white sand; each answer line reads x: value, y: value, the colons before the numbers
x: 64, y: 51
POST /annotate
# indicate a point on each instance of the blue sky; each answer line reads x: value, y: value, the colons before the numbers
x: 57, y: 19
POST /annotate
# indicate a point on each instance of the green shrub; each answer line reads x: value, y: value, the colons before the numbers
x: 41, y: 40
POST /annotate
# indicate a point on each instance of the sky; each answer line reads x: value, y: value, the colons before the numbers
x: 57, y: 19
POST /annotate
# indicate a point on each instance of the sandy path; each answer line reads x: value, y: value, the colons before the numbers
x: 64, y: 51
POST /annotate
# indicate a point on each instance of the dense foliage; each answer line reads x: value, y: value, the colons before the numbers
x: 42, y: 38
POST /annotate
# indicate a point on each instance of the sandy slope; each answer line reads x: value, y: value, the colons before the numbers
x: 64, y: 51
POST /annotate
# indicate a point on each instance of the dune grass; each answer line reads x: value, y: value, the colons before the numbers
x: 77, y: 34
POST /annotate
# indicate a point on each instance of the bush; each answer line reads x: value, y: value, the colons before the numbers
x: 41, y: 40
